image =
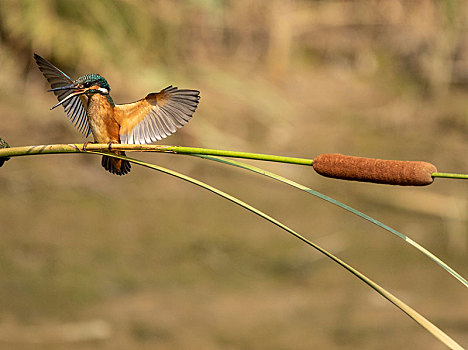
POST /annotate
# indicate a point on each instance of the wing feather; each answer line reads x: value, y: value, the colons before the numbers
x: 147, y: 131
x: 160, y: 134
x: 136, y: 135
x: 167, y: 126
x: 68, y: 107
x: 83, y: 123
x: 176, y: 112
x: 156, y: 116
x: 177, y: 119
x: 80, y: 115
x: 185, y: 109
x: 75, y: 106
x: 72, y: 109
x: 154, y: 123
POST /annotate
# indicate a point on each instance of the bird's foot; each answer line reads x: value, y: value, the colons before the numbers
x: 86, y: 145
x: 110, y: 145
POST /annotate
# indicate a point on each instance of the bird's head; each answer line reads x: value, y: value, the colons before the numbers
x: 88, y: 84
x: 93, y: 84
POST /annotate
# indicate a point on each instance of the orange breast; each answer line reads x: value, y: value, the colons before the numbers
x: 101, y: 119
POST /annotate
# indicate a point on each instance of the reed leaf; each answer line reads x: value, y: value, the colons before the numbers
x: 421, y: 320
x: 343, y: 206
x: 74, y: 148
x: 213, y: 154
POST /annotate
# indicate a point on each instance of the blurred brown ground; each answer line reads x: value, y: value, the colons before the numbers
x: 91, y: 260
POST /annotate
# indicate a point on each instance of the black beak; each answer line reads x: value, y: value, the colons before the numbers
x: 77, y: 91
x: 66, y: 87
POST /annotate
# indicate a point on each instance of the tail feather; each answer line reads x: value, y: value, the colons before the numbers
x: 116, y: 166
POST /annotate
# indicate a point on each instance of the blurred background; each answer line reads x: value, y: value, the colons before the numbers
x: 92, y: 260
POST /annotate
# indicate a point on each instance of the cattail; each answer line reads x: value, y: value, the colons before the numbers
x: 391, y: 172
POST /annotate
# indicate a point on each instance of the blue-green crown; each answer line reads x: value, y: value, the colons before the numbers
x: 94, y: 79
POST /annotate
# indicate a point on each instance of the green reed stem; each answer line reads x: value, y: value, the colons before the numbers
x: 78, y: 148
x: 450, y: 175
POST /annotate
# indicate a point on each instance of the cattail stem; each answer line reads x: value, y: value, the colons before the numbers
x: 450, y: 175
x: 77, y: 148
x: 392, y: 172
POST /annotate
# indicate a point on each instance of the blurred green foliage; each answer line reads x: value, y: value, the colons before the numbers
x: 260, y: 56
x: 426, y: 35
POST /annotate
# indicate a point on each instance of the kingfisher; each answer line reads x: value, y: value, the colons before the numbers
x: 89, y: 106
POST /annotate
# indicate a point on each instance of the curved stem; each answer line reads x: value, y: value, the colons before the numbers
x: 421, y: 320
x: 77, y: 148
x: 339, y: 204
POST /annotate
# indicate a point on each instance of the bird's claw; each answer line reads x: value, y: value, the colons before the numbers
x: 85, y: 145
x: 110, y: 145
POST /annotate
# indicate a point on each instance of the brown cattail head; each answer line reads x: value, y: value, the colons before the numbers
x: 391, y: 172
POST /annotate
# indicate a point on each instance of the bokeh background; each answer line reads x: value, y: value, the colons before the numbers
x: 91, y: 260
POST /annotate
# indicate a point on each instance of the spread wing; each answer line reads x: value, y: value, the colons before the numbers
x: 75, y: 106
x: 156, y: 116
